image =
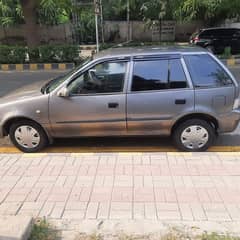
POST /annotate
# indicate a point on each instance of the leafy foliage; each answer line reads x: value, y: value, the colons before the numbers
x: 86, y: 25
x: 50, y: 12
x: 12, y: 54
x: 41, y: 54
x: 210, y: 11
x: 60, y: 11
x: 10, y: 13
x: 117, y: 10
x: 43, y: 231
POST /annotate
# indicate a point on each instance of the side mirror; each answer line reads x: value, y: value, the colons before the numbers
x: 63, y: 92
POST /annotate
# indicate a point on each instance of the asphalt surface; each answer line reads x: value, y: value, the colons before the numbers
x: 10, y: 81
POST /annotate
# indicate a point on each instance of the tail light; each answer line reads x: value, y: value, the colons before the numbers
x: 196, y: 39
x: 236, y: 104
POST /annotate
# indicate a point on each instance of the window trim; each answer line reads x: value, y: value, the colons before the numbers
x: 126, y: 60
x: 219, y: 63
x: 167, y: 57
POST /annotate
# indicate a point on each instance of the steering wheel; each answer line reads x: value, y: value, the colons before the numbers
x: 93, y: 79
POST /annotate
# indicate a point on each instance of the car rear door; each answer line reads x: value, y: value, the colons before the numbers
x: 215, y: 91
x: 157, y: 95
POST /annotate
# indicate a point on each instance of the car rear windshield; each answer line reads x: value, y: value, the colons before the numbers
x: 205, y: 71
x: 218, y: 32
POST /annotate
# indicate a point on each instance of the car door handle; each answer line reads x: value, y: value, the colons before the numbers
x: 180, y: 101
x: 113, y: 105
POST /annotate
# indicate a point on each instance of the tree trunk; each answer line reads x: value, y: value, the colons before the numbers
x: 29, y: 8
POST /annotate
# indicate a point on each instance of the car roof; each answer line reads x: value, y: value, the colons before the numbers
x: 146, y: 51
x: 219, y: 28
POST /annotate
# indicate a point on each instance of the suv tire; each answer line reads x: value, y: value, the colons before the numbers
x: 194, y: 135
x: 28, y: 136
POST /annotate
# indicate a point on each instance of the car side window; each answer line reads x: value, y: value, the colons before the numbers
x: 207, y: 33
x: 107, y: 77
x: 158, y: 75
x: 236, y: 34
x: 206, y: 72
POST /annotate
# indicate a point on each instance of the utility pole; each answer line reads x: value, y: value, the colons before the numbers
x: 97, y: 13
x: 102, y: 23
x: 128, y: 20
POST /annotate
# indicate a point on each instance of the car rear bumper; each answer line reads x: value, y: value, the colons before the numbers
x: 228, y: 123
x: 1, y: 130
x: 1, y: 134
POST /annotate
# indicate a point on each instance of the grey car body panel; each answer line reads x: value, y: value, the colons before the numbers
x: 91, y: 117
x: 140, y: 113
x: 27, y: 102
x: 155, y: 111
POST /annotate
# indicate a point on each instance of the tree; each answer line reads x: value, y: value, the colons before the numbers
x: 117, y: 10
x: 10, y: 13
x: 29, y: 8
x: 49, y: 9
x: 34, y: 13
x: 154, y: 12
x: 210, y: 11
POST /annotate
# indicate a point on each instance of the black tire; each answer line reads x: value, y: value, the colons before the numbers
x: 43, y: 142
x: 177, y: 134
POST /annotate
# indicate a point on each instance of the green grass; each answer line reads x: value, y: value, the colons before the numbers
x: 172, y: 235
x: 215, y: 236
x: 169, y: 236
x: 42, y: 230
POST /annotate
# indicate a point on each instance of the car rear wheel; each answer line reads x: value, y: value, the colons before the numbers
x: 28, y: 136
x: 194, y: 135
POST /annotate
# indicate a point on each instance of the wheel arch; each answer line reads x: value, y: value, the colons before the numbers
x: 202, y: 116
x: 7, y: 124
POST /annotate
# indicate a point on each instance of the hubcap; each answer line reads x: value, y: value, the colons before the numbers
x: 194, y: 137
x: 27, y: 136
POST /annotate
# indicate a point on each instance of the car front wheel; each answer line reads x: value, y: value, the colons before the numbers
x: 194, y: 135
x: 28, y: 136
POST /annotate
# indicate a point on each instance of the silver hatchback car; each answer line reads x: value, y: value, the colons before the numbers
x: 186, y: 93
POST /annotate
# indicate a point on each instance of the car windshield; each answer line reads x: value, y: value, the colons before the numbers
x: 54, y: 83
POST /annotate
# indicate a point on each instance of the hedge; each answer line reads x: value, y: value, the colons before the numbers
x: 41, y: 54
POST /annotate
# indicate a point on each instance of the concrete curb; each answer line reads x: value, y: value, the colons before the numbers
x: 15, y: 227
x: 36, y: 66
x: 231, y: 62
x: 71, y: 228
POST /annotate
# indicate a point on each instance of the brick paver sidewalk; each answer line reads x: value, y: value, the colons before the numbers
x: 159, y: 186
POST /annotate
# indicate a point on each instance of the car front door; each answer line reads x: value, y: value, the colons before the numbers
x: 158, y: 95
x: 95, y: 105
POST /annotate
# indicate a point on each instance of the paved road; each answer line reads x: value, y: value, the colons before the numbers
x: 10, y: 81
x: 13, y: 80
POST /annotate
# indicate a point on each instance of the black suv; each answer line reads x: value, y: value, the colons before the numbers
x: 217, y: 39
